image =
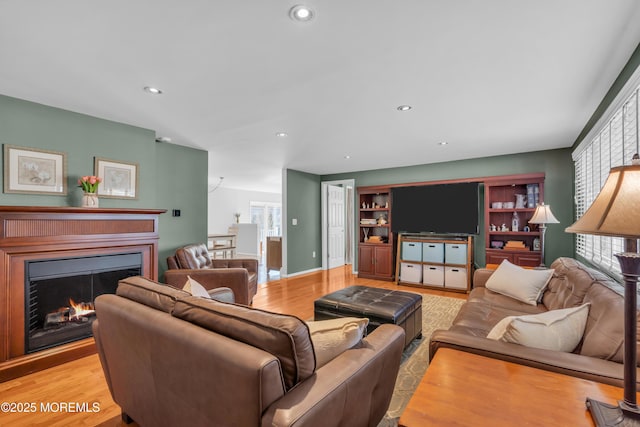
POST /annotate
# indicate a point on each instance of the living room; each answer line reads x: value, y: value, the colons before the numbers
x: 177, y: 176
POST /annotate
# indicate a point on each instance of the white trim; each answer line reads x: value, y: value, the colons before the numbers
x: 285, y: 223
x: 323, y: 190
x: 630, y: 86
x: 299, y: 273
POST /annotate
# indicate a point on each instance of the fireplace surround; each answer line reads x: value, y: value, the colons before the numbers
x: 60, y: 293
x: 30, y: 236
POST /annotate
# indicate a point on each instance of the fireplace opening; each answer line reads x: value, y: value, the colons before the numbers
x: 60, y: 294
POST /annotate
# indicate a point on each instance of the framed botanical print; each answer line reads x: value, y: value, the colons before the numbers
x: 34, y: 171
x: 119, y: 179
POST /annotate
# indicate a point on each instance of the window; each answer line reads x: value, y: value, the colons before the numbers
x: 269, y: 219
x: 612, y: 142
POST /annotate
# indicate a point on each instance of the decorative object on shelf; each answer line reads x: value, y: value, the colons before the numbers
x: 497, y: 244
x: 515, y: 222
x: 375, y: 239
x: 543, y: 216
x: 496, y: 205
x: 504, y: 227
x: 614, y: 212
x: 89, y: 185
x: 120, y: 179
x: 536, y: 244
x: 508, y: 205
x: 365, y: 231
x: 520, y: 200
x: 382, y: 220
x: 33, y: 171
x: 493, y: 227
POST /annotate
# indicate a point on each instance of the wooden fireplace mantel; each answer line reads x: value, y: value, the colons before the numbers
x: 45, y: 232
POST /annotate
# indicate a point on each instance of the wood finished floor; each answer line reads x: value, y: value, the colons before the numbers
x: 83, y: 381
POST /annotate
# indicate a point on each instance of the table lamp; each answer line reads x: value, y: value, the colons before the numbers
x: 616, y: 212
x: 543, y: 216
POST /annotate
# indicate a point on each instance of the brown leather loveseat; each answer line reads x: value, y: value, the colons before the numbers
x: 239, y: 274
x: 598, y: 356
x: 171, y: 359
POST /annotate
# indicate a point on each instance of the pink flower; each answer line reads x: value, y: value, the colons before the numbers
x: 92, y: 180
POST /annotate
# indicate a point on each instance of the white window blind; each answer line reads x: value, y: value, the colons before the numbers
x: 612, y: 142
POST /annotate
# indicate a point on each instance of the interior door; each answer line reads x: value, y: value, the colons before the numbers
x: 336, y: 224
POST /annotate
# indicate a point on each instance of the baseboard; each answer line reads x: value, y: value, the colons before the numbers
x: 300, y: 273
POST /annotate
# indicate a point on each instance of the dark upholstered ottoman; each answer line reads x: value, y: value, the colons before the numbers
x: 379, y: 305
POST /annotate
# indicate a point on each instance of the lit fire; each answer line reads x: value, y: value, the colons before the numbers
x: 80, y: 309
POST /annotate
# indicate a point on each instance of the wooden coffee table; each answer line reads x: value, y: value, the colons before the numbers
x: 469, y: 390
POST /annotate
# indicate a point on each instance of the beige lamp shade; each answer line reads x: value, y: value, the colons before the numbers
x: 543, y: 215
x: 616, y: 210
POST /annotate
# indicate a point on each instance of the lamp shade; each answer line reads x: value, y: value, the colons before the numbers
x: 616, y: 209
x: 543, y: 215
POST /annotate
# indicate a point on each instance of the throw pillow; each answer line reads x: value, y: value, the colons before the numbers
x: 559, y: 330
x: 519, y: 283
x: 332, y: 337
x: 195, y: 288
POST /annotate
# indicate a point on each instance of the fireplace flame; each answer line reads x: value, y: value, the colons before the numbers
x: 80, y: 309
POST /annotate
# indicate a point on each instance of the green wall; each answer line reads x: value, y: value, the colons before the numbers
x: 556, y: 164
x: 304, y: 204
x: 170, y: 176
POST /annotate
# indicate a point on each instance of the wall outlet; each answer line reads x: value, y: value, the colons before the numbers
x: 313, y: 254
x: 294, y: 221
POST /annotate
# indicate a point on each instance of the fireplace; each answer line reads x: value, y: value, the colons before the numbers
x: 59, y: 295
x: 50, y: 255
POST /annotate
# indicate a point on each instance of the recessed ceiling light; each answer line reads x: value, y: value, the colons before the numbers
x: 152, y: 90
x: 163, y: 139
x: 301, y: 13
x: 443, y: 143
x: 347, y: 157
x: 404, y: 107
x: 282, y: 134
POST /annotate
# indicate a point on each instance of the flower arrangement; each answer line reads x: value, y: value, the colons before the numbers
x: 89, y: 184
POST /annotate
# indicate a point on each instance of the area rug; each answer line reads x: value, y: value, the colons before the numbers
x: 437, y: 313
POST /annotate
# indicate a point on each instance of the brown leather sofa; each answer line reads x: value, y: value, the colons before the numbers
x: 598, y: 357
x: 171, y: 359
x: 239, y: 274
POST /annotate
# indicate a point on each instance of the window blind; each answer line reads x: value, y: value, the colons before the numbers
x: 612, y: 142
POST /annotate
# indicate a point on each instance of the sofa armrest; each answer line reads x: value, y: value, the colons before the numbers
x: 235, y: 278
x: 355, y: 387
x: 575, y: 365
x: 249, y: 263
x: 480, y: 277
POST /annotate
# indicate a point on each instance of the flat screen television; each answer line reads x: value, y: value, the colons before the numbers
x: 438, y: 208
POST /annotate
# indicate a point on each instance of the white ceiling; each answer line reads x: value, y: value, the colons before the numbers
x: 489, y: 77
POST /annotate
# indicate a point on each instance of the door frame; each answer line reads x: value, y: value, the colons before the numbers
x: 350, y: 214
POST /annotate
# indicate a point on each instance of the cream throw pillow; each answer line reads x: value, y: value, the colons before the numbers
x: 519, y: 283
x: 332, y: 337
x: 559, y: 330
x: 195, y: 288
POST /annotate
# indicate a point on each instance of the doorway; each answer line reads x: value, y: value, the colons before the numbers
x: 337, y: 223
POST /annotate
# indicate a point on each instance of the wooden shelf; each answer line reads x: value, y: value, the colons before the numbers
x: 504, y: 189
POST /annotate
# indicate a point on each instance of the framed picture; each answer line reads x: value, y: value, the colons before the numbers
x: 119, y: 179
x: 34, y: 171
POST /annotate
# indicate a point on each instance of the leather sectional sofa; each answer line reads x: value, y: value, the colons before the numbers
x: 598, y: 357
x: 172, y: 359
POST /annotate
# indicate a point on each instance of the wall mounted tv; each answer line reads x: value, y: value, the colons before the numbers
x: 438, y: 208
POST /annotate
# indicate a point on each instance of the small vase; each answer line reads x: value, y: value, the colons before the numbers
x: 89, y: 200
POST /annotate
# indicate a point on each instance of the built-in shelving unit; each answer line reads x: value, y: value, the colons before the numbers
x: 501, y: 202
x: 435, y: 261
x: 375, y: 241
